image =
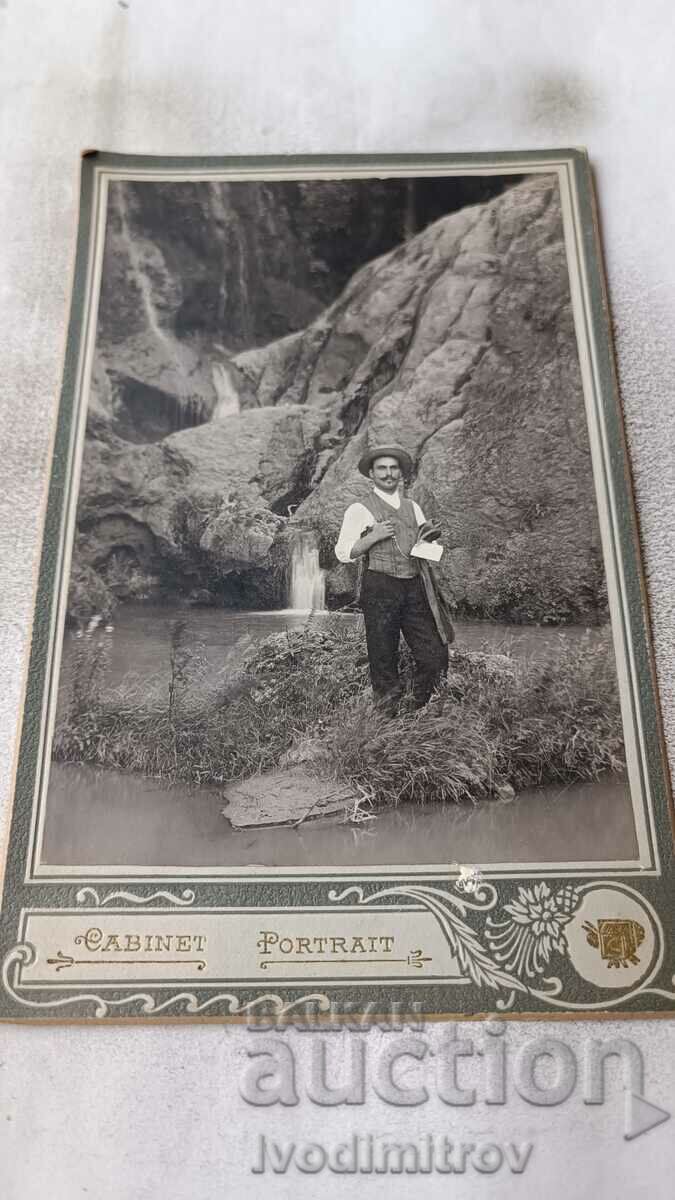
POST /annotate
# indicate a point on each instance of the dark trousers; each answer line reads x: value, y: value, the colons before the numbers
x: 392, y: 607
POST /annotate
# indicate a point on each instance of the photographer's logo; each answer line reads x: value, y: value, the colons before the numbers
x: 618, y: 941
x: 611, y: 951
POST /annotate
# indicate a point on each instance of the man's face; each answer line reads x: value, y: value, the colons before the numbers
x: 386, y: 473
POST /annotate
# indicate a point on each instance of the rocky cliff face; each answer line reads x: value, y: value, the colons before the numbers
x: 194, y: 272
x: 199, y: 506
x: 459, y: 343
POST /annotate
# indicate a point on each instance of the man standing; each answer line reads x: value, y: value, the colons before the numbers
x: 398, y: 593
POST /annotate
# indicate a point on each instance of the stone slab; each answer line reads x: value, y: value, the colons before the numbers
x: 285, y: 797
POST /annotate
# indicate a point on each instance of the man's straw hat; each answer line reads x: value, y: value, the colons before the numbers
x: 393, y: 451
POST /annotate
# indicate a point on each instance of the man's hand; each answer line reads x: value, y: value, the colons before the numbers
x: 380, y: 531
x: 372, y: 534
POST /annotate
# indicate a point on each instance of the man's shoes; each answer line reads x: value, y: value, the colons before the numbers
x: 408, y: 706
x: 434, y: 707
x: 387, y: 708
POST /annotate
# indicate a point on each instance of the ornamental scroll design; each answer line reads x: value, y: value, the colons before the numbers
x: 89, y: 895
x: 520, y: 940
x: 504, y: 949
x: 145, y: 1004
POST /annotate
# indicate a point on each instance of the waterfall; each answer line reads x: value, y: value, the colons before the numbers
x: 144, y: 266
x: 308, y: 581
x: 228, y: 397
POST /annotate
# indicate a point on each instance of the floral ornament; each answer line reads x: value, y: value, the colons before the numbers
x: 525, y: 943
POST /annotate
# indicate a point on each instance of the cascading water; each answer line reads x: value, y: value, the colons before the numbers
x: 224, y: 384
x: 308, y: 581
x: 141, y: 277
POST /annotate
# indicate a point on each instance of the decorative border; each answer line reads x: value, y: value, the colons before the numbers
x: 229, y: 1004
x: 519, y: 947
x: 90, y: 894
x: 505, y: 934
x: 503, y: 947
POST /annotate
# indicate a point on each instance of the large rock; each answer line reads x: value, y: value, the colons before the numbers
x: 211, y: 499
x: 194, y: 272
x: 460, y: 344
x: 153, y: 386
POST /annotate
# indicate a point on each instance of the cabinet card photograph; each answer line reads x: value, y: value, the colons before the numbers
x: 340, y: 689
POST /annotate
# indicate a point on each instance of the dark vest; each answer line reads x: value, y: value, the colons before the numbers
x: 392, y: 556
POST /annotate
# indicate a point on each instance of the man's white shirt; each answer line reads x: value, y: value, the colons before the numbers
x: 358, y: 517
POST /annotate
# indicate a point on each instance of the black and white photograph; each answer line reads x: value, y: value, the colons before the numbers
x: 337, y: 629
x: 337, y: 585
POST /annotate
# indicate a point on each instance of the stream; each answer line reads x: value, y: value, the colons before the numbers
x: 139, y: 643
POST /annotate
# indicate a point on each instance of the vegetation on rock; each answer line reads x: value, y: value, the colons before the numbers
x: 88, y: 595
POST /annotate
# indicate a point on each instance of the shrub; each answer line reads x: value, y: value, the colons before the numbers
x: 88, y: 595
x: 88, y: 667
x: 215, y: 534
x: 525, y: 579
x: 126, y: 578
x: 188, y: 521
